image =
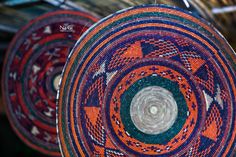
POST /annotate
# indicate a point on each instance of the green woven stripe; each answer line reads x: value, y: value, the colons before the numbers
x: 127, y: 97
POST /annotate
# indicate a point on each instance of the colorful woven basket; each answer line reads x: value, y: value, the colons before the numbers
x: 32, y: 71
x: 151, y: 80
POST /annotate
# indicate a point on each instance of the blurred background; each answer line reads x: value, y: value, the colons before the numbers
x: 14, y: 14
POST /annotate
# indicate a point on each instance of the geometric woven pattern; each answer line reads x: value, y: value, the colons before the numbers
x: 151, y: 80
x: 32, y: 70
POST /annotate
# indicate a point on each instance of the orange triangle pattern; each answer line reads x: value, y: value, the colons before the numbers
x: 195, y: 63
x: 211, y: 131
x: 134, y: 51
x: 99, y: 150
x: 109, y: 144
x: 92, y: 113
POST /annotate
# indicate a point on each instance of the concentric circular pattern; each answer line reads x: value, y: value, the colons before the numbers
x: 32, y: 71
x: 153, y: 110
x: 148, y: 81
